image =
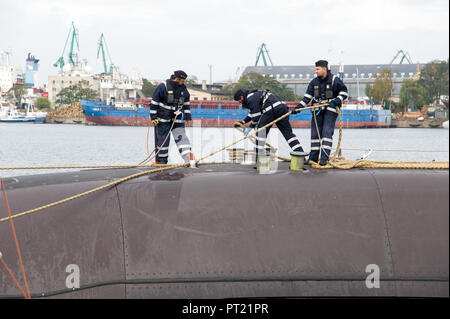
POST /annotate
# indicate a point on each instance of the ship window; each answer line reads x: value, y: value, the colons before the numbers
x: 301, y: 75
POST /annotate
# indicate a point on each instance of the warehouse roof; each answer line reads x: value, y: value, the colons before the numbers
x: 308, y: 71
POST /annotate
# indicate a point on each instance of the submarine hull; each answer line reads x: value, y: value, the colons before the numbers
x: 224, y: 231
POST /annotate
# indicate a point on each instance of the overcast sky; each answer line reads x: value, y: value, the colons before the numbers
x: 157, y: 37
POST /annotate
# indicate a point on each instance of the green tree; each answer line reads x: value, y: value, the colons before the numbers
x: 414, y: 94
x: 370, y: 92
x: 75, y: 93
x: 256, y: 81
x: 382, y: 89
x: 434, y: 77
x: 148, y: 88
x: 42, y: 102
x: 17, y: 92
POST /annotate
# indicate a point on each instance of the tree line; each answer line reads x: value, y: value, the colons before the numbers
x: 429, y: 88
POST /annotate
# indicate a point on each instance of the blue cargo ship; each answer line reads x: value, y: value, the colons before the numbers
x: 224, y: 114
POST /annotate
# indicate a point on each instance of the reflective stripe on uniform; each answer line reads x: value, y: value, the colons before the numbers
x: 291, y: 140
x: 326, y: 139
x: 315, y: 148
x: 302, y: 103
x: 272, y: 106
x: 296, y: 146
x: 185, y: 152
x: 179, y: 121
x: 153, y: 111
x: 163, y: 155
x: 168, y: 107
x: 186, y: 103
x: 254, y: 114
x: 340, y: 98
x: 315, y: 141
x: 250, y: 95
x: 260, y: 138
x: 308, y: 96
x: 163, y: 148
x: 184, y: 146
x: 343, y: 93
x: 155, y: 103
x: 331, y: 109
x: 187, y: 111
x: 163, y: 120
x: 326, y: 147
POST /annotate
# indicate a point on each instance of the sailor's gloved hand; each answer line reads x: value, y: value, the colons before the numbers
x: 247, y: 130
x: 238, y: 123
x: 297, y: 109
x: 333, y: 104
x: 155, y: 122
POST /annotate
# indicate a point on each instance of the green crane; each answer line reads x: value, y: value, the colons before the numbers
x: 405, y: 55
x: 262, y: 51
x: 101, y: 48
x: 74, y: 41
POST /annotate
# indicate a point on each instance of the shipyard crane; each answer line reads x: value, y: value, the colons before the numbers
x: 404, y: 55
x: 262, y: 52
x: 74, y: 41
x: 101, y: 48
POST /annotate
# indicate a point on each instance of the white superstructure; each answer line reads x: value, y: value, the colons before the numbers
x: 6, y: 71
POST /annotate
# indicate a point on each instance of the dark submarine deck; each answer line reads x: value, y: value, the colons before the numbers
x: 224, y: 231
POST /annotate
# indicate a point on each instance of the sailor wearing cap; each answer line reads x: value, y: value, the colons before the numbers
x: 328, y: 89
x: 170, y: 108
x: 264, y: 107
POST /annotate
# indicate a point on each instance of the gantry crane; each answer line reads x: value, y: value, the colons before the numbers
x: 74, y: 41
x: 101, y: 48
x: 404, y: 54
x: 262, y: 51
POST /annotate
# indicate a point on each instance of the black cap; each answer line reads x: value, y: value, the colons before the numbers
x: 239, y: 93
x: 180, y: 74
x: 322, y: 63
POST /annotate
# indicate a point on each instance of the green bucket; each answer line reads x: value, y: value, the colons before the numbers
x: 297, y: 161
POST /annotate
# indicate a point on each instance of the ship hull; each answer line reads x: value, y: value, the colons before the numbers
x: 211, y: 115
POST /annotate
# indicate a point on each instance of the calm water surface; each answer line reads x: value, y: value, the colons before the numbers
x: 58, y: 144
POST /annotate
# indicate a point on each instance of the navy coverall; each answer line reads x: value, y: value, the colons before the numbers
x: 326, y: 117
x: 164, y: 111
x: 264, y: 108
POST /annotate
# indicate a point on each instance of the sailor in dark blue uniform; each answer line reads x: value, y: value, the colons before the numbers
x: 326, y: 88
x: 170, y: 106
x: 264, y: 108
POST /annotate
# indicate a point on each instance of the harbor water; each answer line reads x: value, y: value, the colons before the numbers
x: 56, y: 144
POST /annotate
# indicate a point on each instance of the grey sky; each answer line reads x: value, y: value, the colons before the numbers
x: 157, y: 37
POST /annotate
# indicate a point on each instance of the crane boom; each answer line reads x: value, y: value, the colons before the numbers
x: 262, y: 52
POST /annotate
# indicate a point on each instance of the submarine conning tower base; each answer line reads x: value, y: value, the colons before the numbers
x: 224, y: 231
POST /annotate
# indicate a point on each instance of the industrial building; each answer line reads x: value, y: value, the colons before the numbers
x: 356, y: 77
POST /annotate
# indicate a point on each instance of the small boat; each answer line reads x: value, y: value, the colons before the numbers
x: 414, y: 124
x: 10, y: 114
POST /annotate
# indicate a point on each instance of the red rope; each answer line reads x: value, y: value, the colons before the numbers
x: 15, y: 239
x: 13, y: 278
